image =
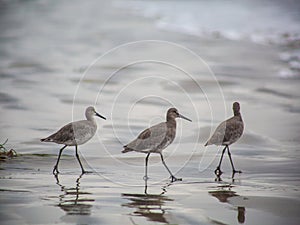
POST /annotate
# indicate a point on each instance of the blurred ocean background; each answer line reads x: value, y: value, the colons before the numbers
x: 133, y: 60
x: 264, y: 22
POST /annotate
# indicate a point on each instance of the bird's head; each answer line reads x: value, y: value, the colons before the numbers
x: 173, y: 114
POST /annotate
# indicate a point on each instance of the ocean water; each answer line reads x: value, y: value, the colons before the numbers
x: 263, y: 22
x: 260, y: 21
x: 58, y: 58
x: 133, y: 60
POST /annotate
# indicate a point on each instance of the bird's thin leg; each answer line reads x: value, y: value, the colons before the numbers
x: 233, y: 169
x: 218, y: 171
x: 77, y: 156
x: 55, y: 169
x: 146, y: 166
x: 218, y: 178
x: 173, y: 178
x: 146, y: 187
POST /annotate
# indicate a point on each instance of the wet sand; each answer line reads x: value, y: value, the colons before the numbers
x: 30, y: 194
x: 133, y: 96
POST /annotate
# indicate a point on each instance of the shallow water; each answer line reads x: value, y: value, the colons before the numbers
x: 30, y: 194
x: 54, y: 63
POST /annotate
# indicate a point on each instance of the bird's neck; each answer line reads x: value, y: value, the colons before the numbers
x: 171, y: 122
x: 91, y: 119
x: 238, y: 114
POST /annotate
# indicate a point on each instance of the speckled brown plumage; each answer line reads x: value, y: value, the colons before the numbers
x: 74, y: 134
x: 156, y: 138
x: 227, y: 133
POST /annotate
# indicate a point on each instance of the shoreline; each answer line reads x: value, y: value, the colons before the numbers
x: 35, y: 104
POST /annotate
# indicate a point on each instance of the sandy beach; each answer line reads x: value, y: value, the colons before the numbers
x: 57, y: 58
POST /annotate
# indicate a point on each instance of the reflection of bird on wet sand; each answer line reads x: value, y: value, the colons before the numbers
x: 146, y: 205
x: 163, y: 188
x: 223, y: 194
x: 149, y: 205
x: 74, y: 201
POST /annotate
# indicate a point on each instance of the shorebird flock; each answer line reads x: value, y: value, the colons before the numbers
x: 152, y: 140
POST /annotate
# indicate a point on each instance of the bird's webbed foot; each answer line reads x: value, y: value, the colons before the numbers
x: 173, y: 179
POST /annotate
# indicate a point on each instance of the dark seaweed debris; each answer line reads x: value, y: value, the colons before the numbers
x: 6, y: 154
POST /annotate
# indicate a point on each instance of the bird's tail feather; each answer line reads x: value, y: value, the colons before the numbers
x: 46, y: 139
x: 126, y: 149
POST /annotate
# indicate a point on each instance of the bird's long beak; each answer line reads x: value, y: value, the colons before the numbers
x: 97, y: 114
x: 183, y: 117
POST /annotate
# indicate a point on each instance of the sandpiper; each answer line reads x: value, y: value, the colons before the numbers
x: 156, y: 138
x: 74, y: 134
x: 228, y: 132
